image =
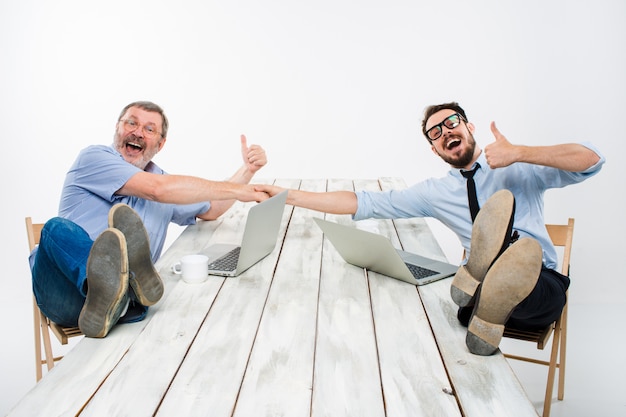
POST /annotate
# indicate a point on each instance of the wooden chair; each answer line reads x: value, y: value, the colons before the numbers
x: 43, y: 325
x: 561, y: 236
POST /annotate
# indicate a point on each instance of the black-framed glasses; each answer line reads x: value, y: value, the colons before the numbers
x: 149, y: 130
x: 450, y: 122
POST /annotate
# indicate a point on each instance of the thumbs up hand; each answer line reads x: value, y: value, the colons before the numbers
x: 500, y: 153
x: 254, y: 157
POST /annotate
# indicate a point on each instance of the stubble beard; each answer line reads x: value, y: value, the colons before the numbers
x: 144, y: 157
x: 465, y: 158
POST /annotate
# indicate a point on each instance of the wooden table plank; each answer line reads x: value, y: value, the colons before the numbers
x: 412, y: 385
x: 484, y: 386
x: 347, y: 378
x: 167, y: 338
x: 80, y: 373
x: 209, y: 379
x: 279, y: 376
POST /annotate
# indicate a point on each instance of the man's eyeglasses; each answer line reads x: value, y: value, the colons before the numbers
x: 149, y: 130
x: 450, y: 122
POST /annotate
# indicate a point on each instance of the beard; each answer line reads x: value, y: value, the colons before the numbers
x: 463, y: 159
x: 143, y: 154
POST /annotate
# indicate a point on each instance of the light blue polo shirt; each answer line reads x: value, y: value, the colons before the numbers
x: 89, y: 193
x: 445, y: 199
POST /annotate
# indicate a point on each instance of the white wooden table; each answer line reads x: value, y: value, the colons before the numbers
x: 301, y: 333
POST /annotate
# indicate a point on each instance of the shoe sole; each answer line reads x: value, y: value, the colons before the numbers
x: 144, y: 278
x: 107, y: 284
x: 490, y: 236
x: 509, y: 281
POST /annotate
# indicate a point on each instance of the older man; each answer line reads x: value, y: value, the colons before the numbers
x: 94, y: 264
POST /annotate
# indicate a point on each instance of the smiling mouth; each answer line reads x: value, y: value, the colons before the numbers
x: 453, y: 143
x: 133, y: 145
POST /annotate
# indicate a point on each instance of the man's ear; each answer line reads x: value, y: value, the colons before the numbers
x: 432, y: 148
x: 162, y: 143
x: 471, y: 127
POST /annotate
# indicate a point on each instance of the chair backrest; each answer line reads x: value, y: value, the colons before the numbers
x: 562, y: 235
x: 33, y: 230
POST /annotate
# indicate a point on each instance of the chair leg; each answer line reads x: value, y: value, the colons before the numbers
x: 563, y: 344
x: 45, y: 333
x: 556, y: 341
x: 38, y: 331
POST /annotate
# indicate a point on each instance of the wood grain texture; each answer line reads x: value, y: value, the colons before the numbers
x: 302, y: 333
x: 413, y: 385
x: 347, y: 378
x: 279, y: 376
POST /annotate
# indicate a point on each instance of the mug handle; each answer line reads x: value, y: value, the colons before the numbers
x: 176, y: 268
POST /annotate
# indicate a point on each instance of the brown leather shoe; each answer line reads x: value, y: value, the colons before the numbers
x: 107, y: 284
x: 509, y: 281
x: 144, y: 278
x: 490, y: 237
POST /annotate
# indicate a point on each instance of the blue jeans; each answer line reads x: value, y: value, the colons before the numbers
x: 60, y: 273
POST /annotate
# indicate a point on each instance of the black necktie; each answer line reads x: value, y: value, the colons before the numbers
x: 471, y: 191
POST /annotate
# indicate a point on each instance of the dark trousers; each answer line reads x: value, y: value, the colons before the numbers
x: 542, y: 306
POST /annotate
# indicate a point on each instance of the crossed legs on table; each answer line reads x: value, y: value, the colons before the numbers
x: 76, y: 277
x: 503, y: 282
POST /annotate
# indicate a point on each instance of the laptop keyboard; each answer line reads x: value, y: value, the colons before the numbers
x: 227, y: 262
x: 420, y: 272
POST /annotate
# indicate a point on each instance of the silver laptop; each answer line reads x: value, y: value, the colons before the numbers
x: 258, y: 241
x: 376, y: 253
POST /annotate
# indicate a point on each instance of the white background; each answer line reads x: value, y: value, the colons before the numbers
x: 330, y: 89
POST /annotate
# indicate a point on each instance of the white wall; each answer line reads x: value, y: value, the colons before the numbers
x: 329, y: 88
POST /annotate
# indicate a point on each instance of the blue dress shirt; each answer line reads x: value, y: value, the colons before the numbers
x: 90, y: 190
x: 445, y: 199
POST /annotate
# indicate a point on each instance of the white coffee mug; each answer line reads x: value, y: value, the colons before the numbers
x: 193, y: 268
